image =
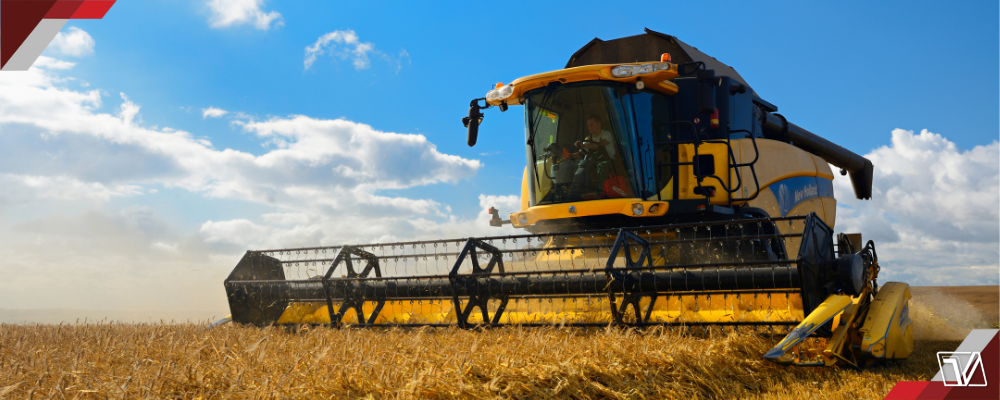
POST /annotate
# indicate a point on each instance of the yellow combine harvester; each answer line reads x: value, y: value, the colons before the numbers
x: 657, y: 192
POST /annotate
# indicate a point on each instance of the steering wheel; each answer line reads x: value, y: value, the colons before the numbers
x: 583, y: 142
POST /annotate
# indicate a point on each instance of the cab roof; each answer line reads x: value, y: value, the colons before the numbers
x: 645, y: 48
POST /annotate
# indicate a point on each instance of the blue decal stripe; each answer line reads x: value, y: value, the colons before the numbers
x: 792, y: 191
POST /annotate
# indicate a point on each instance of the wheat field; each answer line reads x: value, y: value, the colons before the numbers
x: 113, y: 360
x: 187, y: 361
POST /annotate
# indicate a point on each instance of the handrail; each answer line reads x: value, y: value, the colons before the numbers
x: 733, y: 164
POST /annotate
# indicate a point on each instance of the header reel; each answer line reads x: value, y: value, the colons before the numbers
x: 632, y: 276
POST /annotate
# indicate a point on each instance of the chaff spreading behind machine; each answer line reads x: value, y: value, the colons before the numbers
x: 656, y: 193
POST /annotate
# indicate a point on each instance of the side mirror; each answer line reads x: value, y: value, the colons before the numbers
x: 472, y: 122
x: 706, y: 91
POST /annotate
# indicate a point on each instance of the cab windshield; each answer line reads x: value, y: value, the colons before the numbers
x: 583, y: 143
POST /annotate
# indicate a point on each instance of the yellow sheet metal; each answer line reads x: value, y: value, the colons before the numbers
x: 829, y: 308
x: 673, y: 308
x: 887, y: 328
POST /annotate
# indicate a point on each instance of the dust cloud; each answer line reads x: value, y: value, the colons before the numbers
x: 938, y: 316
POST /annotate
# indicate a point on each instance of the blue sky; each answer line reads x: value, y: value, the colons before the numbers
x: 849, y: 71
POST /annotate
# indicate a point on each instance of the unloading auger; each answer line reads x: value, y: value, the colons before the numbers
x: 657, y: 193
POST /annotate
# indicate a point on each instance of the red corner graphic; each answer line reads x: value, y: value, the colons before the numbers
x: 24, y: 35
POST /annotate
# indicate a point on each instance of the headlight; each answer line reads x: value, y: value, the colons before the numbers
x: 522, y: 219
x: 654, y: 208
x: 637, y: 209
x: 625, y: 71
x: 500, y: 93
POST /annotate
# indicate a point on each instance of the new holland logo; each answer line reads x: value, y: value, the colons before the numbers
x: 27, y: 26
x: 958, y: 368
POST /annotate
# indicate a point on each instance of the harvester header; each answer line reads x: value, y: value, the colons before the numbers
x: 660, y: 189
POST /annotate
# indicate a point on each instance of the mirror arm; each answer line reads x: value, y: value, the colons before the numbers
x: 474, y: 119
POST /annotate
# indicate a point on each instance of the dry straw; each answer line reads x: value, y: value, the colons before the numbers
x: 111, y: 360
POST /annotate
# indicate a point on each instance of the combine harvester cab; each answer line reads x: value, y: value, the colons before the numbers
x: 656, y: 193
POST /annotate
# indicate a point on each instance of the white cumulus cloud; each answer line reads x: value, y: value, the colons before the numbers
x: 74, y: 175
x: 52, y: 63
x: 358, y: 226
x: 212, y: 112
x: 345, y: 44
x: 76, y: 42
x: 934, y: 212
x: 226, y: 13
x: 314, y: 163
x: 62, y: 188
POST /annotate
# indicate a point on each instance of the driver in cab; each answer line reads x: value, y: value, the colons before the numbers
x: 596, y: 176
x: 598, y: 138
